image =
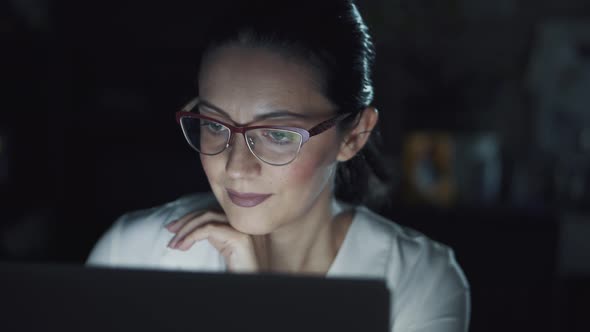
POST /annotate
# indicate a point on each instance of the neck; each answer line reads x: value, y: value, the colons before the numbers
x: 307, y: 245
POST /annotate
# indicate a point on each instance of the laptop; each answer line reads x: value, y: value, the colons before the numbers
x: 52, y: 297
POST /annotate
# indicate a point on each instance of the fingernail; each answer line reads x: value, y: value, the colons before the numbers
x: 172, y: 242
x: 186, y: 245
x: 178, y: 244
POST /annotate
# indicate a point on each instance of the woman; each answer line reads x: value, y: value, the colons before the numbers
x: 282, y: 114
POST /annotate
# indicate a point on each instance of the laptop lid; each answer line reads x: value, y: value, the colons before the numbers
x: 45, y: 297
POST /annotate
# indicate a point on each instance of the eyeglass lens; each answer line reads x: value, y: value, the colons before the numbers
x: 273, y: 146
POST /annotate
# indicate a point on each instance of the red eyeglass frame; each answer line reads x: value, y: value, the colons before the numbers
x: 306, y: 134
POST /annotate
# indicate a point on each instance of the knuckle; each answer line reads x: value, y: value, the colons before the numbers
x: 207, y: 214
x: 213, y: 214
x: 196, y: 218
x: 208, y: 227
x: 184, y: 220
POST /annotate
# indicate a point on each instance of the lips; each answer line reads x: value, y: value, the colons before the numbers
x: 246, y: 199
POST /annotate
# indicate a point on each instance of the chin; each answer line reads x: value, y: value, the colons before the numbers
x: 249, y: 220
x: 250, y: 224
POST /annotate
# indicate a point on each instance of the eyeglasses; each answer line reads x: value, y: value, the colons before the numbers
x: 274, y: 145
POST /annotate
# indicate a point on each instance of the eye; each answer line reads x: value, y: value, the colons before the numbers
x: 213, y: 127
x: 281, y: 137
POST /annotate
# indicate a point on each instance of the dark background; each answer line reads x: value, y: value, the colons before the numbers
x: 87, y: 133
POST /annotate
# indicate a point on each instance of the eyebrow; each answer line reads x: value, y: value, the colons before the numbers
x: 265, y: 116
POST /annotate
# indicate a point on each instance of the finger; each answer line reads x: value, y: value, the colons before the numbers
x: 194, y: 223
x: 236, y: 247
x: 220, y: 235
x: 175, y: 225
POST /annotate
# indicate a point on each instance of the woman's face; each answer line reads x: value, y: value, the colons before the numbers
x: 247, y: 83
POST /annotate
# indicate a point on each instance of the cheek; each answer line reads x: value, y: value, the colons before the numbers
x: 205, y: 165
x: 305, y: 170
x: 314, y: 164
x: 211, y: 168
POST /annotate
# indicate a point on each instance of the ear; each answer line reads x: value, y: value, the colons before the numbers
x: 358, y: 136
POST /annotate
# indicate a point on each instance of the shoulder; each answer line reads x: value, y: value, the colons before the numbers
x: 132, y: 237
x: 423, y: 275
x: 155, y: 218
x: 408, y: 249
x: 403, y: 244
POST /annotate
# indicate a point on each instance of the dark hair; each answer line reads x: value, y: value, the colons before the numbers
x: 329, y: 35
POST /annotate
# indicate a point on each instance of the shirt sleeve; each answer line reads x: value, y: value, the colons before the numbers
x: 434, y: 296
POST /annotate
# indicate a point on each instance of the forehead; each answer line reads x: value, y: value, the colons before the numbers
x: 247, y: 81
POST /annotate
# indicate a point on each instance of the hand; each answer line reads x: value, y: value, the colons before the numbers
x: 236, y: 247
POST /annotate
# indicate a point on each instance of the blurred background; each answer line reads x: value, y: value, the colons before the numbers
x: 484, y: 115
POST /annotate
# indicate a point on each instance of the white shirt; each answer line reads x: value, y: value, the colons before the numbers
x: 429, y: 291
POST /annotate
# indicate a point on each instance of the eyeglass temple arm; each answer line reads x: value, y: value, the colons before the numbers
x: 187, y: 108
x: 191, y: 104
x: 323, y: 126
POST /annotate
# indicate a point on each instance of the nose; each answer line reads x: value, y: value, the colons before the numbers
x: 241, y: 163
